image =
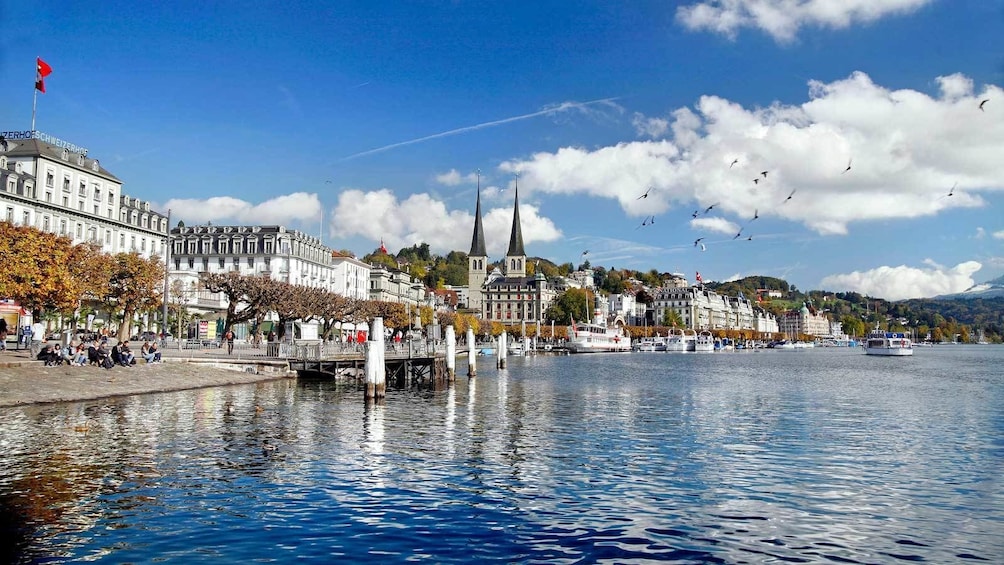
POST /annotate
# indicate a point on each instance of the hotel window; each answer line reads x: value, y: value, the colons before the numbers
x: 97, y: 193
x: 109, y: 212
x: 111, y: 195
x: 11, y: 185
x: 177, y: 263
x: 66, y: 202
x: 96, y: 211
x: 205, y: 263
x: 45, y: 223
x: 268, y: 261
x: 121, y: 241
x: 48, y: 196
x: 250, y: 261
x: 132, y: 243
x: 142, y: 244
x: 66, y: 154
x: 27, y: 218
x: 269, y: 246
x: 82, y: 190
x: 80, y: 159
x: 223, y: 262
x: 10, y: 214
x: 50, y: 179
x: 253, y: 246
x: 62, y: 227
x: 191, y: 262
x: 237, y: 262
x: 66, y: 183
x: 224, y: 247
x: 191, y: 248
x: 108, y: 237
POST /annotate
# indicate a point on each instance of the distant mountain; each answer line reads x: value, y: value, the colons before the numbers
x: 989, y: 289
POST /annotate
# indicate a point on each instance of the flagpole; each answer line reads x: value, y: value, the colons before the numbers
x: 34, y: 102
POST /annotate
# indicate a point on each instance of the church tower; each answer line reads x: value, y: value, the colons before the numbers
x: 477, y: 261
x: 515, y: 258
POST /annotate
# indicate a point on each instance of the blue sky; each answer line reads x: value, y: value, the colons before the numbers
x: 368, y: 122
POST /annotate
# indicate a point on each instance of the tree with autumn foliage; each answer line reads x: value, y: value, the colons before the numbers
x: 247, y: 296
x: 136, y: 285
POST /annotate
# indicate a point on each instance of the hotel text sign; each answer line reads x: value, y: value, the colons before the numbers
x: 44, y: 138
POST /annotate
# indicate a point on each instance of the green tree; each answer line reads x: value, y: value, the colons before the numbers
x: 671, y: 318
x: 573, y: 303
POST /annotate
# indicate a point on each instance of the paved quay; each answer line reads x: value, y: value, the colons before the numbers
x: 26, y: 381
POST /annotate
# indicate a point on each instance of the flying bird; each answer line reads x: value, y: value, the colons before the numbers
x: 790, y: 195
x: 848, y: 166
x: 586, y: 252
x: 764, y: 173
x: 982, y: 103
x: 756, y: 181
x: 750, y: 238
x: 645, y: 222
x: 756, y: 214
x: 708, y: 209
x: 703, y: 247
x: 951, y: 192
x: 695, y: 214
x: 327, y: 182
x: 738, y: 234
x: 733, y: 163
x: 645, y: 195
x: 698, y: 242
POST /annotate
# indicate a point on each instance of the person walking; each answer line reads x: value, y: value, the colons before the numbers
x: 229, y: 336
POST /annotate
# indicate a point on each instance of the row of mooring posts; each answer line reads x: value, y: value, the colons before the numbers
x: 376, y: 364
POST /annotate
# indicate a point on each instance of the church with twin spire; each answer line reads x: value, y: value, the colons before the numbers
x: 506, y: 294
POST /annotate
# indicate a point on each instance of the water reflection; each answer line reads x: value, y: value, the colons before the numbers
x: 718, y: 458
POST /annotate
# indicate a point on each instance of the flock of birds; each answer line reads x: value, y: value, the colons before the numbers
x: 762, y: 177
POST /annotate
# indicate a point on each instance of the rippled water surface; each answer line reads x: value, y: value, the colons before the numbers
x: 824, y: 455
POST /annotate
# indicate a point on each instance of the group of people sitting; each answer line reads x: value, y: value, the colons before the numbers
x: 97, y: 353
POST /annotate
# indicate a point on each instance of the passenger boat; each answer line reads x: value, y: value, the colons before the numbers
x: 597, y: 337
x: 676, y: 342
x: 645, y: 345
x: 705, y: 342
x: 888, y: 343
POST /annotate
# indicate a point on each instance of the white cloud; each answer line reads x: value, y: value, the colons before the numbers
x: 908, y: 149
x: 980, y: 233
x: 902, y: 282
x: 649, y: 127
x: 294, y: 208
x: 999, y: 234
x: 454, y: 178
x: 715, y: 224
x: 782, y: 19
x: 421, y: 218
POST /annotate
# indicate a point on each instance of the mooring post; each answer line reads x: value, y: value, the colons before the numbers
x: 451, y: 354
x: 376, y: 369
x: 472, y: 354
x: 503, y: 349
x: 526, y: 345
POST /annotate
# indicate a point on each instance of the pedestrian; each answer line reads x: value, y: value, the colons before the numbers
x: 273, y: 344
x: 3, y: 334
x: 229, y: 336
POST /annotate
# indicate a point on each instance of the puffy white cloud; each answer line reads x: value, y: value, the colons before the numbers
x: 906, y: 149
x: 999, y: 234
x: 715, y: 224
x: 420, y: 218
x: 287, y: 209
x: 782, y: 19
x: 902, y: 282
x: 454, y: 178
x: 649, y: 127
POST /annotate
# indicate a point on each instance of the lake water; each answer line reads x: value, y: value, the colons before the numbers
x: 805, y: 456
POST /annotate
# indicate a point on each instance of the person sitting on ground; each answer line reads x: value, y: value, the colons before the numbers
x: 155, y: 351
x: 149, y: 352
x: 104, y: 357
x: 66, y: 354
x: 81, y: 356
x: 126, y: 354
x: 116, y: 354
x: 49, y: 355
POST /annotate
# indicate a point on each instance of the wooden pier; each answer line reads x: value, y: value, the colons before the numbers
x: 405, y: 364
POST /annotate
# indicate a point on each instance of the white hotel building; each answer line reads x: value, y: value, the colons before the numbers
x: 54, y: 186
x: 285, y: 255
x: 703, y: 309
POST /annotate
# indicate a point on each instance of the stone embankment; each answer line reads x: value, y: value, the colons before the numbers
x: 24, y: 381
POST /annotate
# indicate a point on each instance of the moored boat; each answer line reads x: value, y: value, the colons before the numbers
x: 704, y: 342
x: 893, y: 344
x: 597, y: 337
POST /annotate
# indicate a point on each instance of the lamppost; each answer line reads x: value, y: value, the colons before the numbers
x: 167, y: 269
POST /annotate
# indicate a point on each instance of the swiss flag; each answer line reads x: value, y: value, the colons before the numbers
x: 699, y: 279
x: 383, y: 248
x: 42, y: 70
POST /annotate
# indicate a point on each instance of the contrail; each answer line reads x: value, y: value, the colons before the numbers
x: 559, y: 108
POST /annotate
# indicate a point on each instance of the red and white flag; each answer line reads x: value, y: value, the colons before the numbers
x: 383, y: 248
x: 42, y: 70
x: 699, y: 279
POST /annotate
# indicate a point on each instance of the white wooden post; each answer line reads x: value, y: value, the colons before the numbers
x: 376, y: 369
x: 472, y: 354
x: 451, y: 354
x: 503, y: 349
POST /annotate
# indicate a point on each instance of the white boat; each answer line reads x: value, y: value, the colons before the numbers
x: 704, y: 343
x: 888, y: 343
x: 646, y: 345
x: 597, y: 337
x: 676, y: 342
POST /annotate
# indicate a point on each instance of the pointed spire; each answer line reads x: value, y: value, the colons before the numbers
x: 516, y: 237
x: 478, y: 241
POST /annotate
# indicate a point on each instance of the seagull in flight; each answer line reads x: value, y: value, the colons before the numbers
x: 756, y: 181
x: 750, y: 238
x: 848, y: 166
x: 648, y: 220
x: 698, y: 242
x: 951, y: 192
x: 789, y: 196
x: 737, y: 160
x: 645, y: 195
x: 764, y: 173
x: 756, y: 214
x: 586, y: 252
x: 982, y: 103
x: 738, y: 234
x: 695, y: 214
x: 703, y: 247
x: 708, y: 209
